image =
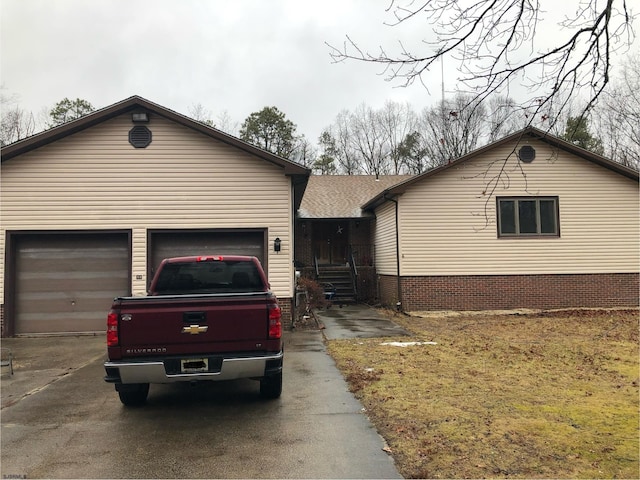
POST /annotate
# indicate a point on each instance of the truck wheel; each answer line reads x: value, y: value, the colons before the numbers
x: 271, y: 386
x: 133, y: 395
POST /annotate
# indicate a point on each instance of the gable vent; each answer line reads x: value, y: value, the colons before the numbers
x: 140, y: 136
x: 527, y: 154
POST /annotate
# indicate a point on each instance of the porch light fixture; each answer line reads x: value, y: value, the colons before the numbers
x: 140, y: 117
x: 277, y: 244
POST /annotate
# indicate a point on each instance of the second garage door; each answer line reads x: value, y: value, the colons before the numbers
x: 167, y: 244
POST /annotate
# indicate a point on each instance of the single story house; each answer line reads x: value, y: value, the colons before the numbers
x: 530, y: 221
x: 89, y: 209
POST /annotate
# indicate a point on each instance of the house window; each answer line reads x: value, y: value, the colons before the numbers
x: 528, y: 217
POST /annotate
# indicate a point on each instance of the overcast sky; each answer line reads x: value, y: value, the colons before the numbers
x: 234, y: 56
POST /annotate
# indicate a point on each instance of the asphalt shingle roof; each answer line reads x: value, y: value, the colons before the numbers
x: 342, y: 196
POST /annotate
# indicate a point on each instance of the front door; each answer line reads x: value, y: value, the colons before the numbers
x: 330, y: 240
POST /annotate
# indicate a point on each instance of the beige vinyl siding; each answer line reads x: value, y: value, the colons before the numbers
x: 385, y: 240
x: 2, y: 254
x: 448, y: 226
x: 96, y: 180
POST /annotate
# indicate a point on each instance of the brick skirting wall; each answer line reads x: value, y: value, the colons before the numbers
x: 505, y: 292
x: 285, y: 307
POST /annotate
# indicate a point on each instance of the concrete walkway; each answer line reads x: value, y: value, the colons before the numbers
x: 357, y: 321
x: 319, y: 421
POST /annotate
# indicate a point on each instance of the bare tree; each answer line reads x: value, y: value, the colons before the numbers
x: 342, y: 134
x: 497, y: 42
x: 304, y: 152
x: 222, y: 122
x: 397, y: 122
x: 198, y: 112
x: 369, y: 140
x: 227, y: 124
x: 618, y: 119
x: 15, y: 123
x: 452, y: 129
x: 504, y: 117
x: 375, y: 142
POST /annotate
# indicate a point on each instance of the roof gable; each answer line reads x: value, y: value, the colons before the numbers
x: 137, y: 103
x: 299, y: 174
x: 518, y: 137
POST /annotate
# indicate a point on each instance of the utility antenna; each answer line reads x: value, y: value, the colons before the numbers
x: 442, y: 78
x: 442, y: 75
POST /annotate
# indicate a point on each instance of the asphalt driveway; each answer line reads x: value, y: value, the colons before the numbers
x: 60, y: 420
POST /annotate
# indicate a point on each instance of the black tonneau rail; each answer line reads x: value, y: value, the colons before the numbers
x: 194, y: 296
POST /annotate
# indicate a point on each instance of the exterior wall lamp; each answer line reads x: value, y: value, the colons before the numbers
x: 277, y: 244
x: 140, y: 117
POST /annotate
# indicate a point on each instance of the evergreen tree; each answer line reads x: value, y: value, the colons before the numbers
x: 270, y: 130
x: 577, y: 132
x: 67, y: 110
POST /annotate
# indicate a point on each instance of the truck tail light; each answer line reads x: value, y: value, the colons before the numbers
x: 112, y: 329
x: 275, y: 321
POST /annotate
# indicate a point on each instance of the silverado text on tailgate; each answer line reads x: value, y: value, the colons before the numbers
x: 205, y: 318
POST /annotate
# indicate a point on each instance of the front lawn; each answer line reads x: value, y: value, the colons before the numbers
x: 546, y: 395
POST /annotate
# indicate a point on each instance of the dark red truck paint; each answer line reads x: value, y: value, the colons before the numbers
x: 169, y: 324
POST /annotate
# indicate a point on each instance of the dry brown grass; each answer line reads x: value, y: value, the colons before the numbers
x: 538, y: 395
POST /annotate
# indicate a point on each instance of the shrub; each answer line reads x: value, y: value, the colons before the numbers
x: 315, y: 293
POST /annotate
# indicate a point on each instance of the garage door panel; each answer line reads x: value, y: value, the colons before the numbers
x: 59, y: 262
x: 66, y: 282
x: 78, y: 282
x: 42, y: 323
x: 69, y: 302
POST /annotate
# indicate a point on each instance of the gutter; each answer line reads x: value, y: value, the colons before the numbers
x: 399, y: 289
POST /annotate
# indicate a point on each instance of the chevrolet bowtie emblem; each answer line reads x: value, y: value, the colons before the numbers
x: 195, y: 329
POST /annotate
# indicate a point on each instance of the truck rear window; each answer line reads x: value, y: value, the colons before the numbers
x: 208, y: 277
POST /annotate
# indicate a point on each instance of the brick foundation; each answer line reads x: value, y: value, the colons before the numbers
x: 388, y: 290
x: 505, y: 292
x: 285, y: 307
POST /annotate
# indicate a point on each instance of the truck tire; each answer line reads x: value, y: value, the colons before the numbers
x: 133, y: 395
x: 271, y: 386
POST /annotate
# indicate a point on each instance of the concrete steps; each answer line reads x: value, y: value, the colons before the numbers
x: 340, y: 278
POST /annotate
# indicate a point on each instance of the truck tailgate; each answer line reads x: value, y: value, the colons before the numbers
x: 193, y: 323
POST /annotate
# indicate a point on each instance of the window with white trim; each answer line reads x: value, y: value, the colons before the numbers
x: 528, y: 217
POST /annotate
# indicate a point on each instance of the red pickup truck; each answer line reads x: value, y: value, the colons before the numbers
x: 205, y: 318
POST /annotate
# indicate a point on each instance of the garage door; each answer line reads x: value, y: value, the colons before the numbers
x: 66, y: 283
x: 221, y: 242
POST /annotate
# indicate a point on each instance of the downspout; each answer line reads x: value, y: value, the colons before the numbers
x: 399, y: 304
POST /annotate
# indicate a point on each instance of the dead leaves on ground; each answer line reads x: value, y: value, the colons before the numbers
x: 551, y: 394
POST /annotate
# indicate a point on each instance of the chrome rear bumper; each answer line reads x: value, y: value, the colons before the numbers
x: 154, y: 371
